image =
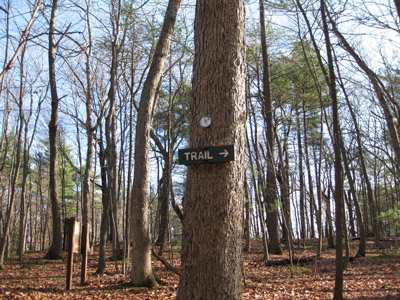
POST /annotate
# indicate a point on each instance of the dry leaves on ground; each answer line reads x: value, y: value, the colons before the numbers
x: 376, y: 276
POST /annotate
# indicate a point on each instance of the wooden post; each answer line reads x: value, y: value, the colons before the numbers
x: 71, y: 242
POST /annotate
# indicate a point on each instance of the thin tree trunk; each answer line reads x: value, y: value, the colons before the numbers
x: 257, y: 180
x: 283, y: 179
x: 338, y: 194
x: 360, y: 218
x: 257, y: 195
x: 164, y: 208
x: 89, y: 156
x: 302, y: 204
x: 270, y: 193
x: 25, y: 167
x: 318, y: 168
x: 167, y: 181
x: 349, y: 205
x: 106, y: 211
x: 308, y: 166
x: 16, y: 161
x: 247, y: 222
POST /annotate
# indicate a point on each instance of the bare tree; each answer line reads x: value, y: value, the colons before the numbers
x: 56, y: 245
x: 336, y: 141
x: 383, y: 96
x: 22, y: 39
x: 14, y: 173
x: 29, y: 137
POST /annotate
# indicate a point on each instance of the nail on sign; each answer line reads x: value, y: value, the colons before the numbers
x: 206, y: 155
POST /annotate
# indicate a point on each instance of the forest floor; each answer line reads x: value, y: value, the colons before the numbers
x: 376, y: 276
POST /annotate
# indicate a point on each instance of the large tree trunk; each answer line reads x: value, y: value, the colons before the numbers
x: 142, y: 273
x: 212, y: 229
x: 56, y: 245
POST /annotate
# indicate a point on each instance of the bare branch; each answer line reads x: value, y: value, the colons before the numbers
x: 22, y: 39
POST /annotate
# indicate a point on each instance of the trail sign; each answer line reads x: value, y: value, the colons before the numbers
x: 206, y: 155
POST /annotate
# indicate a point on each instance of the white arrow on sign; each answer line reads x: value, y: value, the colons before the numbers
x: 225, y: 153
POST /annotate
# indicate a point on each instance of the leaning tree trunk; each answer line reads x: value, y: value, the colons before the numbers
x: 212, y: 228
x: 393, y: 130
x: 142, y: 272
x: 379, y: 89
x: 56, y: 245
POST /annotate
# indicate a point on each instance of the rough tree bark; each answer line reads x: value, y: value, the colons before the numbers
x: 212, y: 229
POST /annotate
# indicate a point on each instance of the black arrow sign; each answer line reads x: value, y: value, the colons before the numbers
x: 206, y: 155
